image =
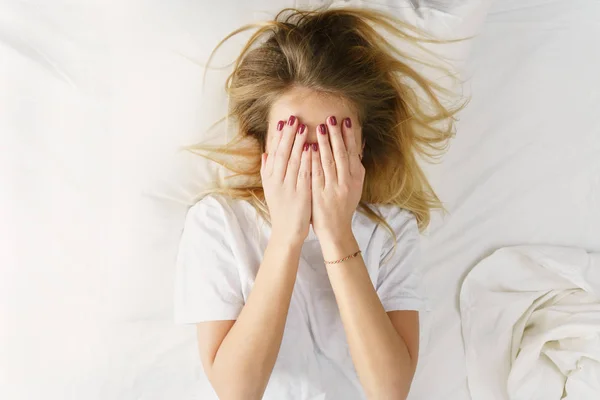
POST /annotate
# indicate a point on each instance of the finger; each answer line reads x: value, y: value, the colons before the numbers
x: 318, y: 177
x: 270, y: 159
x: 293, y: 166
x: 326, y: 156
x: 282, y: 156
x: 354, y: 157
x: 303, y: 182
x: 338, y: 148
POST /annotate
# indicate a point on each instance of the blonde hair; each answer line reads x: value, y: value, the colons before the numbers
x: 339, y: 52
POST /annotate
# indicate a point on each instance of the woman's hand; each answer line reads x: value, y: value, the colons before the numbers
x: 337, y: 180
x: 285, y: 174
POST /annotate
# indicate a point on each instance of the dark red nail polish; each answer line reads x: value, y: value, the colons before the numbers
x: 315, y: 146
x: 302, y: 128
x: 322, y: 128
x: 291, y: 120
x: 348, y: 123
x: 306, y: 146
x: 332, y: 120
x: 280, y: 125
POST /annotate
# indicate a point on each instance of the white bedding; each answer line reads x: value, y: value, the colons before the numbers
x: 523, y: 169
x: 531, y: 324
x: 95, y: 96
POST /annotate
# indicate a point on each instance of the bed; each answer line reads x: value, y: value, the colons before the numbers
x: 96, y: 98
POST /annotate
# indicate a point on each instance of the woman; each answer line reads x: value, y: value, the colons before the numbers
x: 301, y: 276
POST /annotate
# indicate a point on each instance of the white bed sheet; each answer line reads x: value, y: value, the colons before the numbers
x: 524, y: 167
x: 91, y: 103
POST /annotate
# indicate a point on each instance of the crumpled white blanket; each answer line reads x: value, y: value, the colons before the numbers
x: 531, y: 324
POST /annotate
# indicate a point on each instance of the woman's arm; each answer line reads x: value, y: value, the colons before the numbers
x: 239, y: 356
x: 383, y: 346
x: 240, y: 362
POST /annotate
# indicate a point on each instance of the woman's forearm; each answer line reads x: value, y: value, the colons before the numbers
x: 380, y: 355
x: 245, y: 359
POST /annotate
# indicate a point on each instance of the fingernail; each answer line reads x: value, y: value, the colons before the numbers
x: 291, y: 120
x: 315, y: 146
x: 302, y: 128
x: 306, y: 146
x: 348, y: 123
x: 322, y: 129
x: 280, y: 125
x: 332, y: 120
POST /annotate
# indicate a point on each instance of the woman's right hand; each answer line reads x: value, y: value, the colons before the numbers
x: 286, y: 181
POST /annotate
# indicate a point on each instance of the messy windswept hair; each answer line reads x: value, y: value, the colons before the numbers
x: 340, y: 52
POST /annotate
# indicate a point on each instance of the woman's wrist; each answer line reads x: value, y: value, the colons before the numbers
x: 286, y: 252
x: 286, y: 242
x: 338, y: 245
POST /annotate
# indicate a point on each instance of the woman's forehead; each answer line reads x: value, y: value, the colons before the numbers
x: 311, y: 107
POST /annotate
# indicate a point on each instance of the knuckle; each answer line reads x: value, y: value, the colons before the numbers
x: 303, y: 175
x: 342, y: 155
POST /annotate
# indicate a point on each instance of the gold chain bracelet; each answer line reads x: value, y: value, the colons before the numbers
x: 343, y: 259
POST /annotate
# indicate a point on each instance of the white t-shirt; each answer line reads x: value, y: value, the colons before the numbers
x: 220, y: 252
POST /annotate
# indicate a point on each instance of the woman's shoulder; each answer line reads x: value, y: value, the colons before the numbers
x: 224, y: 219
x: 208, y: 206
x: 399, y: 219
x: 403, y: 224
x: 208, y: 213
x: 218, y: 202
x: 219, y: 209
x: 392, y: 212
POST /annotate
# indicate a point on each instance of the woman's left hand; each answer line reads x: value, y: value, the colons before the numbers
x: 337, y: 180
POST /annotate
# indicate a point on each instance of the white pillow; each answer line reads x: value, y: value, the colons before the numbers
x: 184, y: 175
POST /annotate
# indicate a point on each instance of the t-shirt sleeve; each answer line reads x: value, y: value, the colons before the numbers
x: 207, y: 281
x: 398, y: 282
